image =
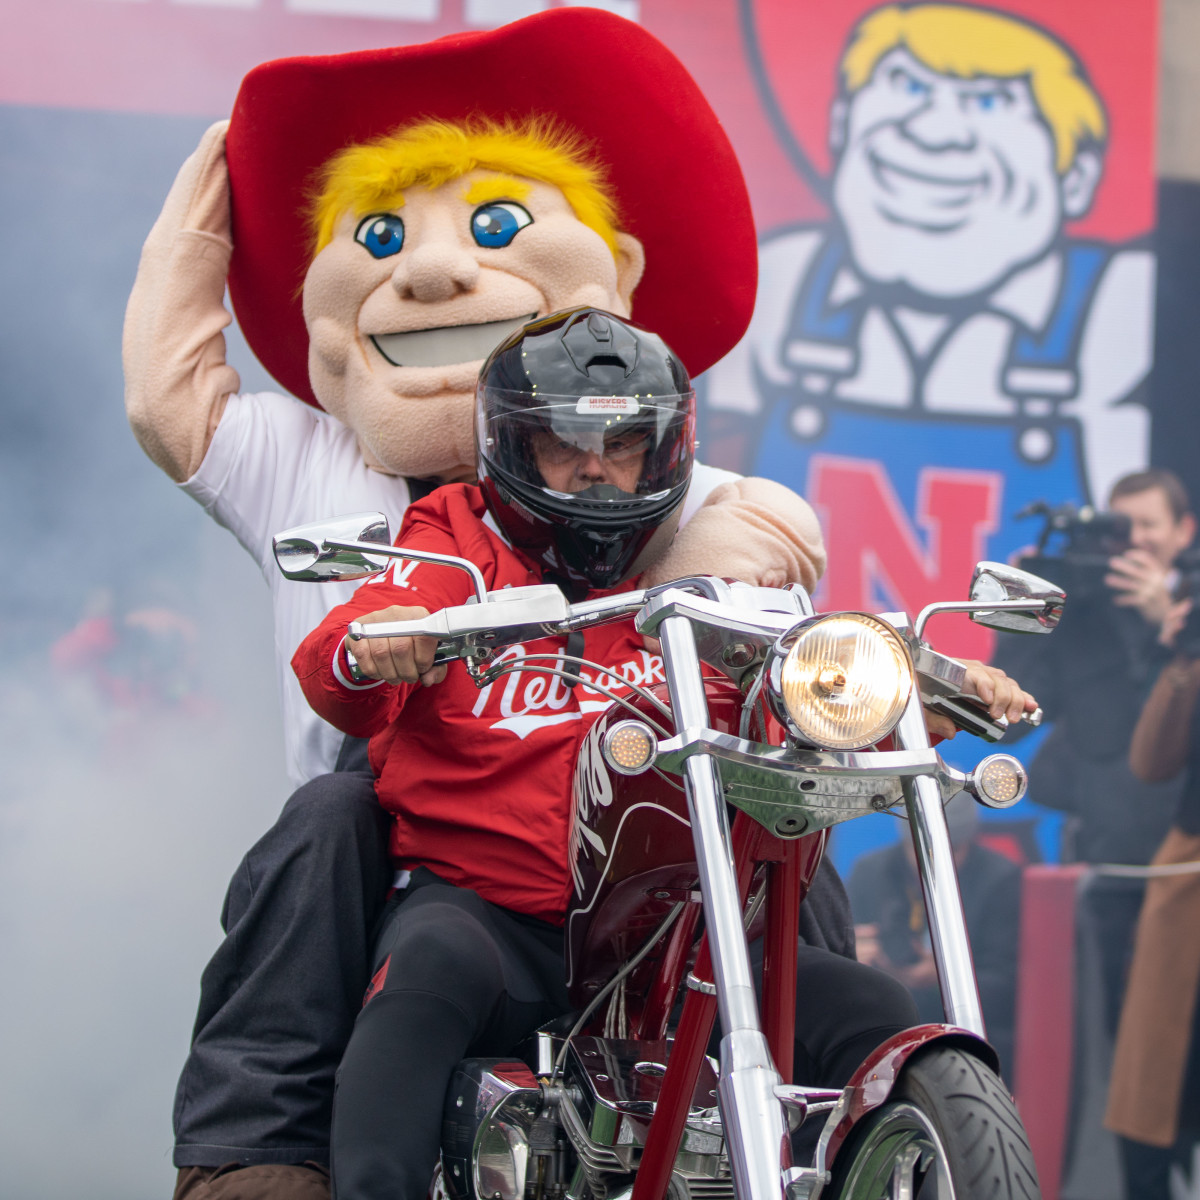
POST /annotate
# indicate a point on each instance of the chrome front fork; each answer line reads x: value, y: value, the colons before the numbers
x: 939, y: 882
x: 753, y: 1118
x: 756, y: 1134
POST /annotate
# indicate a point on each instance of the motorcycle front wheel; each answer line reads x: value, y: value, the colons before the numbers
x: 949, y: 1131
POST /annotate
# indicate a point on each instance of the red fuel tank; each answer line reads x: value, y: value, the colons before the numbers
x: 632, y: 849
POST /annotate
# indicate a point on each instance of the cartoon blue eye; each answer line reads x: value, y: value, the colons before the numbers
x: 382, y: 234
x: 986, y: 102
x: 910, y: 85
x: 495, y: 225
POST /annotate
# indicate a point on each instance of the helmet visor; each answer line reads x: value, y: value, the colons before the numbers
x: 603, y: 448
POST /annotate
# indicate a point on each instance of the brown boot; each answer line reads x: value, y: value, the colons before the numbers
x: 266, y: 1181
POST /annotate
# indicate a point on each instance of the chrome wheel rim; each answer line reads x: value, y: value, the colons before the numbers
x: 900, y: 1158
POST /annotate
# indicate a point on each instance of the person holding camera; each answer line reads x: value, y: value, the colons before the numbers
x: 1094, y: 674
x: 1155, y: 1084
x: 1092, y: 678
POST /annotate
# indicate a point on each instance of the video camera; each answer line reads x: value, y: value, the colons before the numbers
x: 1073, y: 550
x: 1074, y: 546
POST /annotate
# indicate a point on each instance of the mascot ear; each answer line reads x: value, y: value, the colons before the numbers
x: 631, y: 263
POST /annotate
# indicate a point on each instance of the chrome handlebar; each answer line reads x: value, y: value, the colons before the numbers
x: 504, y: 618
x: 735, y: 624
x: 481, y: 627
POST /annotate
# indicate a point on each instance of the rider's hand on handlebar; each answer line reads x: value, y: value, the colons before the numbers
x: 1003, y: 696
x: 397, y: 659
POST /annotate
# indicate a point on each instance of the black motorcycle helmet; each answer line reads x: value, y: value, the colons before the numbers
x: 585, y: 428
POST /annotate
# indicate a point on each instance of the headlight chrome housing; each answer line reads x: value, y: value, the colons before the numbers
x: 843, y: 682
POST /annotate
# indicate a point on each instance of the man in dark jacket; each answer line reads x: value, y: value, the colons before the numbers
x: 889, y: 916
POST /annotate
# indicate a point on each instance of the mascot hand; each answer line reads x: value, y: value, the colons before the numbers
x: 176, y: 377
x: 749, y: 529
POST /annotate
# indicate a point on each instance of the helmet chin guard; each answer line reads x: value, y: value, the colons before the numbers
x: 585, y: 430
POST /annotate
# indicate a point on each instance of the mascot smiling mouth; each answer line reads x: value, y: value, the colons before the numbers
x: 447, y: 345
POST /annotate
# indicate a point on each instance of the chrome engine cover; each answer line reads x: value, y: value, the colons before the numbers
x: 506, y: 1135
x: 491, y: 1107
x: 611, y: 1091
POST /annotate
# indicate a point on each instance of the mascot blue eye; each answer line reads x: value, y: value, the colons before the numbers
x: 495, y: 225
x: 382, y: 234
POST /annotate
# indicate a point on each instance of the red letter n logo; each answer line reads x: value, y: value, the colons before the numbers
x: 875, y: 551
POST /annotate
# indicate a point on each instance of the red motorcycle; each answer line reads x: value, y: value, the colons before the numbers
x: 791, y: 721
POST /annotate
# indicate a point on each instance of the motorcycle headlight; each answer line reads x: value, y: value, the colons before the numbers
x: 845, y: 681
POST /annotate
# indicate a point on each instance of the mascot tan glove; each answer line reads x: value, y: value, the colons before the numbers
x: 176, y: 376
x: 749, y: 529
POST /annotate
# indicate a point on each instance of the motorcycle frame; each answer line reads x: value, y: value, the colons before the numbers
x: 753, y: 1092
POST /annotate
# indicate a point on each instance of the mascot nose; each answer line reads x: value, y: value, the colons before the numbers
x: 437, y: 271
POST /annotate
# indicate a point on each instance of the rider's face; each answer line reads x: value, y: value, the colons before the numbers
x: 945, y: 184
x: 572, y: 466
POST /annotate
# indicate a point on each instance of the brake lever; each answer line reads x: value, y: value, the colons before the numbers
x: 972, y: 716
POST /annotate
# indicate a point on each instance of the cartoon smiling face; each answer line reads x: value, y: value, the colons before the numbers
x: 945, y: 183
x: 404, y: 303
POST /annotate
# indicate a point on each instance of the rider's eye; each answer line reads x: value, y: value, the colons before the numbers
x: 625, y: 446
x: 495, y: 225
x: 382, y: 234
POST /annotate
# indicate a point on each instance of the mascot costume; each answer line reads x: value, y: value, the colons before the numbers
x: 382, y: 220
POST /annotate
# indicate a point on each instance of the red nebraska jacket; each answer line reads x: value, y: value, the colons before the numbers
x: 478, y: 782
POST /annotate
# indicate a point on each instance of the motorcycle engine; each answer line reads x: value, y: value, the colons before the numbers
x: 508, y: 1135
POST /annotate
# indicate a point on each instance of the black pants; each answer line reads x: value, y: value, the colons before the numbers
x: 279, y: 997
x: 456, y: 976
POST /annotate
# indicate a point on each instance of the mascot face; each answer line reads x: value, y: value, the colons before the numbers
x: 403, y: 305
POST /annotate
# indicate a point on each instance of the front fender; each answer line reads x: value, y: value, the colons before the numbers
x: 872, y: 1083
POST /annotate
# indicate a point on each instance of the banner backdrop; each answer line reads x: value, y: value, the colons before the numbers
x: 966, y: 328
x: 954, y: 206
x: 955, y: 310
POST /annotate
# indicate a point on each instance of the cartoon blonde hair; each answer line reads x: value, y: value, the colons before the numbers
x: 953, y: 39
x: 373, y: 176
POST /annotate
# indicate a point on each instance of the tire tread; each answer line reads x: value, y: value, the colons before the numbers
x: 988, y: 1150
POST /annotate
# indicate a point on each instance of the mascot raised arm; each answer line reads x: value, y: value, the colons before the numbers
x: 383, y: 219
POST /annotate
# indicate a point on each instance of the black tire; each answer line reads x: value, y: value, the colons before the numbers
x: 950, y: 1128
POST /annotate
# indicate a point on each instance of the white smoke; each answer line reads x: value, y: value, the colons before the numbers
x: 119, y: 828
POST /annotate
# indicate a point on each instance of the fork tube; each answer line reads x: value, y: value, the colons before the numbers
x: 779, y: 957
x: 755, y: 1132
x: 691, y: 1042
x: 939, y: 882
x: 678, y: 1086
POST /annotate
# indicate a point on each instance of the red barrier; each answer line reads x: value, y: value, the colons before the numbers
x: 1045, y: 1023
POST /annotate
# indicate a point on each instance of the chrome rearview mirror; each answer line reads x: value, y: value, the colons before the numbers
x: 1004, y: 584
x: 303, y: 553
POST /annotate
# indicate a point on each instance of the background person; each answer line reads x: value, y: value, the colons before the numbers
x: 1092, y: 678
x: 1154, y: 1097
x: 892, y: 933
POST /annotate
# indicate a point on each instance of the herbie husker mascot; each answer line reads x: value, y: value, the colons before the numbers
x: 383, y: 220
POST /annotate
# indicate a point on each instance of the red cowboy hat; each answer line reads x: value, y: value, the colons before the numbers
x: 678, y: 185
